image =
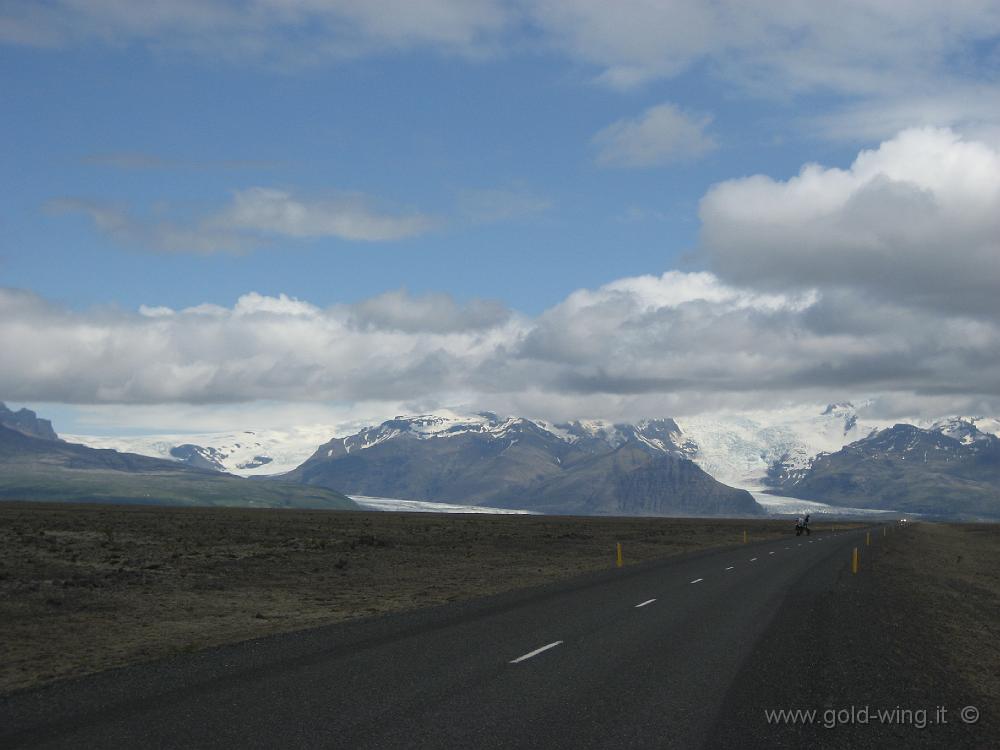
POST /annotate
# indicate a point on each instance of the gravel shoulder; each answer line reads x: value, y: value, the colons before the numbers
x: 916, y: 630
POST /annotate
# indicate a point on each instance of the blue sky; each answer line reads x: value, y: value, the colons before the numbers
x: 386, y: 159
x: 413, y: 131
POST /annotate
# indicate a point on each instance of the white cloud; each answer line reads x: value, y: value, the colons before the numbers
x: 855, y: 47
x: 661, y: 135
x: 271, y: 211
x: 679, y: 343
x: 916, y: 220
x: 255, y: 216
x: 261, y: 348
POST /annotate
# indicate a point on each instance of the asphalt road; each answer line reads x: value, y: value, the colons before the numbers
x: 648, y: 656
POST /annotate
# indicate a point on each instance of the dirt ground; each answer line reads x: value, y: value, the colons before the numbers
x: 946, y: 579
x: 84, y: 588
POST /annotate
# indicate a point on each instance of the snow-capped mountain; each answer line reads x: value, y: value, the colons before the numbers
x: 582, y: 467
x: 950, y: 469
x: 967, y: 430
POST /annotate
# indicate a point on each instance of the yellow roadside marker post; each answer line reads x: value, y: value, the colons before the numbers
x: 855, y: 561
x: 620, y: 563
x: 868, y: 539
x: 744, y: 536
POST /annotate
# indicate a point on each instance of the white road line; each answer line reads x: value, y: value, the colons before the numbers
x: 697, y: 580
x: 787, y: 547
x: 648, y: 601
x: 730, y: 567
x: 770, y: 553
x: 753, y: 559
x: 536, y: 652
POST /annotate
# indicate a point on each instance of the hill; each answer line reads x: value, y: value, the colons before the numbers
x: 33, y: 468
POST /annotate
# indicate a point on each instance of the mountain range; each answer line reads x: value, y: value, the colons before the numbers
x: 830, y: 454
x: 573, y: 468
x: 741, y: 450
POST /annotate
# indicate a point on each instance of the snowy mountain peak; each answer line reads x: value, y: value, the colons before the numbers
x: 962, y: 429
x: 659, y: 435
x: 839, y: 409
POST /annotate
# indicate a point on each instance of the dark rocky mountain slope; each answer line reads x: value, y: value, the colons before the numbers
x: 944, y: 472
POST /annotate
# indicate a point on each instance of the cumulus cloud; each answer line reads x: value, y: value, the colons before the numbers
x: 260, y: 348
x: 253, y: 217
x: 679, y: 343
x: 916, y: 220
x: 661, y: 135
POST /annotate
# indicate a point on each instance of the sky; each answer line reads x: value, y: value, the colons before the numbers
x: 221, y: 215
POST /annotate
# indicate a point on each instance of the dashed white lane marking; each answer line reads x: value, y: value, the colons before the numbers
x: 697, y: 580
x: 536, y: 652
x: 787, y: 547
x: 770, y: 553
x: 730, y: 567
x: 648, y: 601
x: 753, y: 559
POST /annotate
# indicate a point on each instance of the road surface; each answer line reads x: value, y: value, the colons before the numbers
x: 644, y: 656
